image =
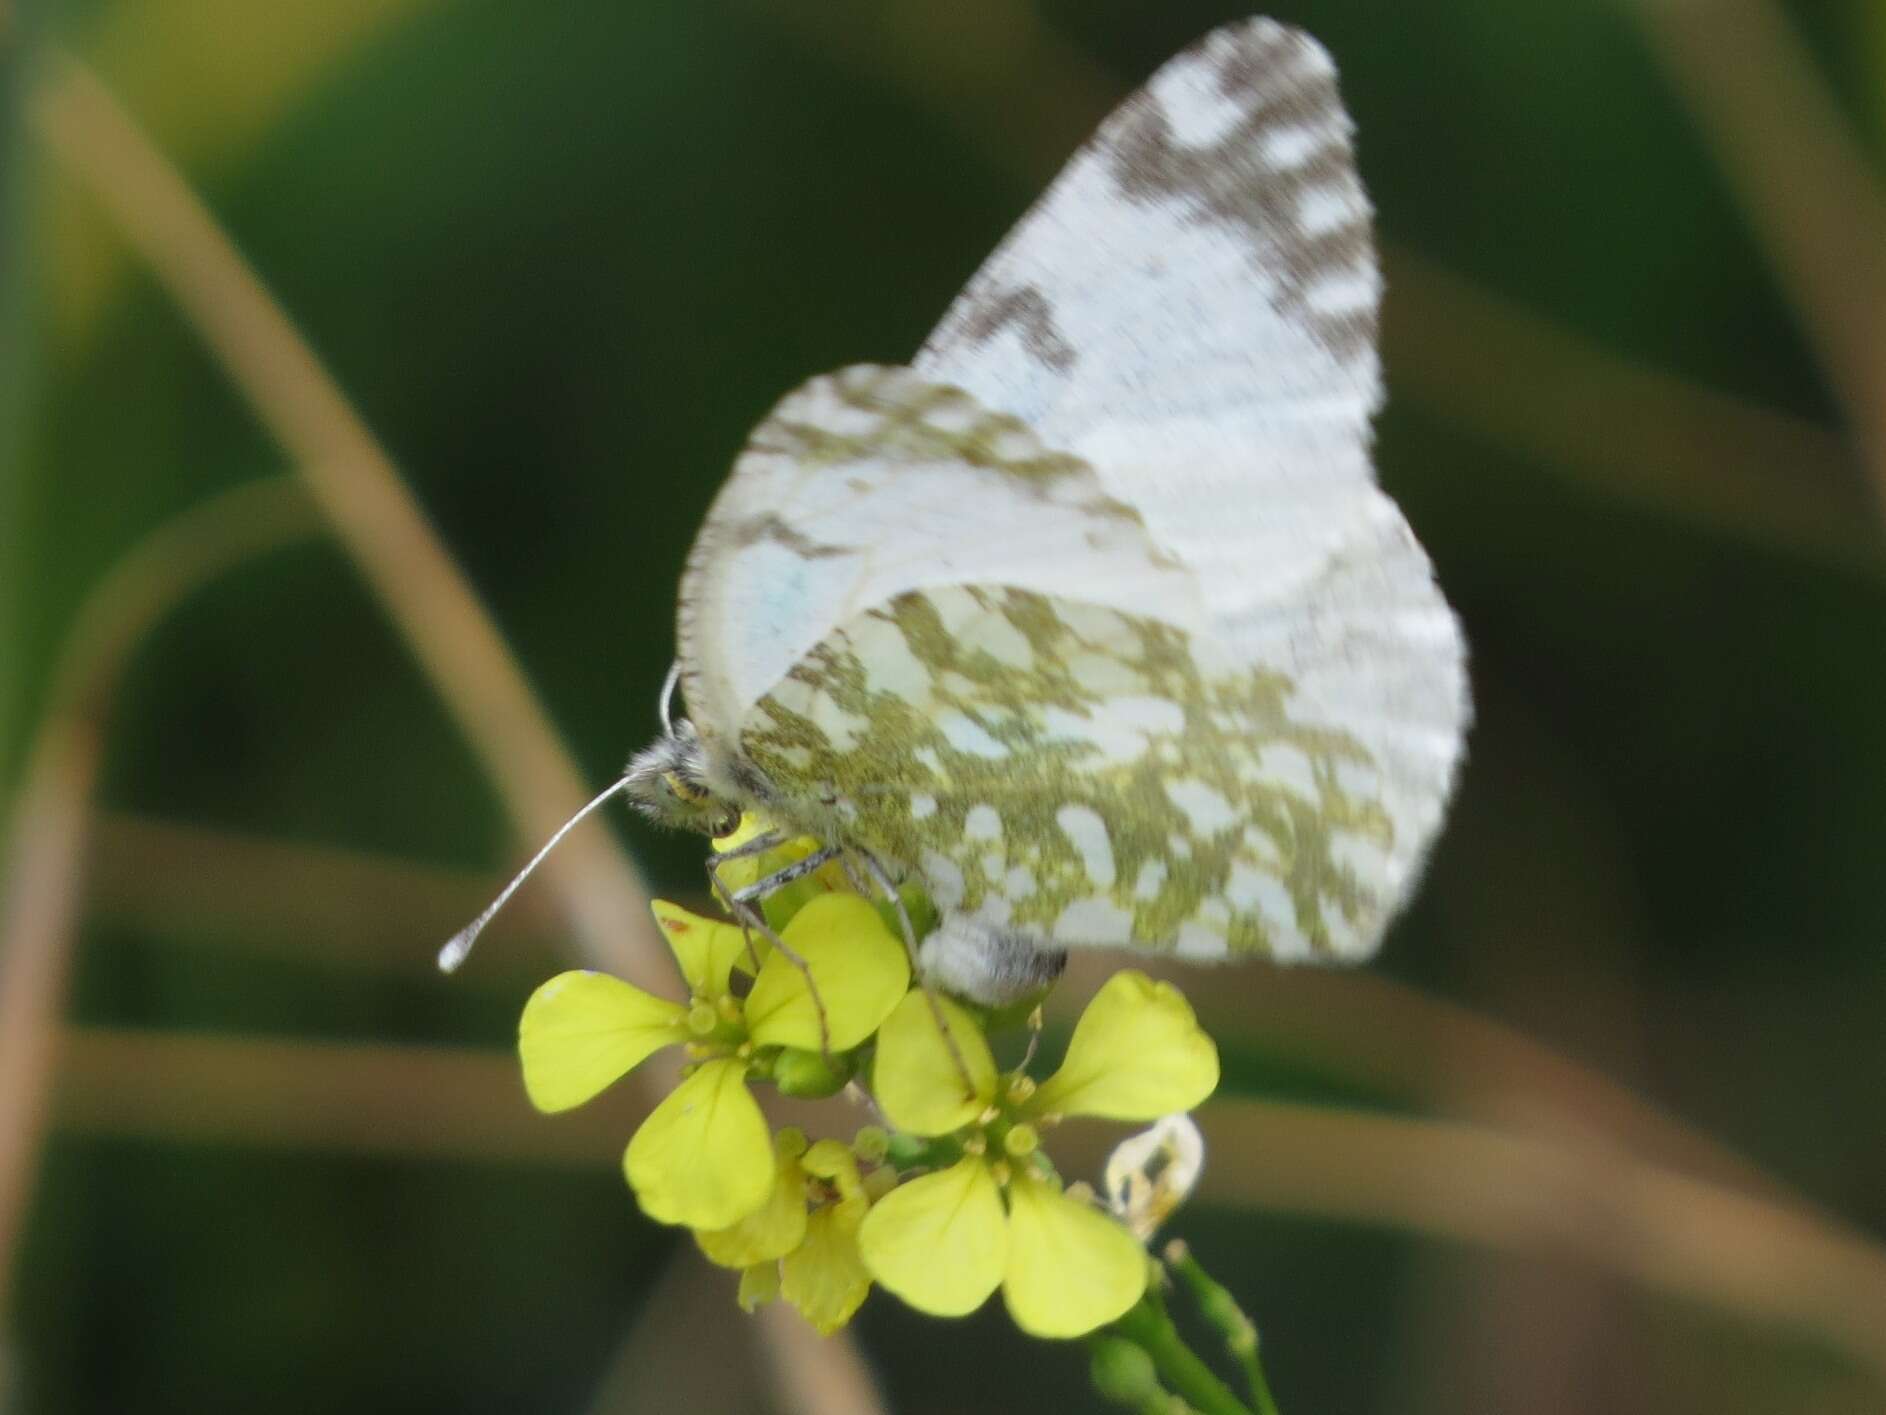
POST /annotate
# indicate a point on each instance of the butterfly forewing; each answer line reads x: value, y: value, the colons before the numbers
x: 1205, y: 260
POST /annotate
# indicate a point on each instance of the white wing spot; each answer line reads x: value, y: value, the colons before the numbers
x: 1152, y: 874
x: 1343, y: 292
x: 1343, y: 936
x: 994, y: 911
x: 1261, y: 846
x: 1358, y: 778
x: 965, y: 734
x: 1019, y: 882
x: 983, y: 822
x: 1197, y: 941
x: 1087, y: 832
x: 1282, y: 765
x: 1105, y: 675
x: 1252, y: 891
x: 1002, y: 641
x: 922, y: 806
x: 1207, y: 809
x: 1290, y: 147
x: 1196, y: 116
x: 1359, y: 853
x: 1094, y: 921
x: 889, y: 665
x: 842, y: 729
x: 1160, y: 715
x: 1324, y: 209
x: 954, y: 416
x: 1115, y: 741
x: 944, y: 878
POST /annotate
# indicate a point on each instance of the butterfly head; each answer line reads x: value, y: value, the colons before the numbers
x: 668, y: 782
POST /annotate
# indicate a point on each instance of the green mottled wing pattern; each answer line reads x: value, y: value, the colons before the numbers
x: 1081, y: 776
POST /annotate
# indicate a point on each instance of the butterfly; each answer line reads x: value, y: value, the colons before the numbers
x: 1092, y: 620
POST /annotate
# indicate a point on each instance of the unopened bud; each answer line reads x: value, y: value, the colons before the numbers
x: 1123, y: 1372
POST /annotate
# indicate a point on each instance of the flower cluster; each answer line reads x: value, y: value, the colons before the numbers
x: 951, y: 1196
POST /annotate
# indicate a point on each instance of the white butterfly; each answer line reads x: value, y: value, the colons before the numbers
x: 1093, y: 619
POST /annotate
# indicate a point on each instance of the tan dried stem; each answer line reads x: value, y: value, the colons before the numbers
x: 1357, y: 1027
x: 42, y: 872
x: 357, y: 487
x: 1558, y: 1199
x: 1632, y: 434
x: 1808, y: 189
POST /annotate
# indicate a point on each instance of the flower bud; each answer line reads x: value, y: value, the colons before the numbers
x: 1123, y: 1372
x: 810, y: 1074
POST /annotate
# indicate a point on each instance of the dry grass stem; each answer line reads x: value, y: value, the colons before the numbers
x: 352, y: 909
x: 1809, y: 190
x: 356, y: 485
x: 318, y: 904
x: 1762, y: 1261
x: 1631, y: 434
x: 47, y: 829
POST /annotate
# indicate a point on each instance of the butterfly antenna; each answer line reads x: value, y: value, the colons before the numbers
x: 668, y: 687
x: 460, y: 944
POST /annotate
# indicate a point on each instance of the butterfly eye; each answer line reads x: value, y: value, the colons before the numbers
x: 683, y: 789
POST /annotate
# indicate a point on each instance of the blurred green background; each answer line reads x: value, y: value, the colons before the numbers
x: 561, y: 256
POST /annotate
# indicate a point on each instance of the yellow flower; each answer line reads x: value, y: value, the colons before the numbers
x: 996, y: 1217
x: 825, y: 1277
x: 704, y: 1157
x: 810, y: 1259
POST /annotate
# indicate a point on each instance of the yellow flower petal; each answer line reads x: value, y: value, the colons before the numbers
x: 1070, y: 1268
x: 703, y: 1157
x: 824, y: 1277
x: 581, y: 1031
x: 939, y: 1241
x: 706, y: 949
x: 771, y: 1231
x: 918, y: 1080
x: 1136, y: 1054
x: 858, y: 967
x: 759, y: 1285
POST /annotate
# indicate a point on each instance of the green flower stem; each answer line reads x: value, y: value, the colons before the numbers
x: 1183, y: 1373
x: 1221, y: 1309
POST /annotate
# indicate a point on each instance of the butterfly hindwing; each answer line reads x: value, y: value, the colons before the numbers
x: 1082, y: 776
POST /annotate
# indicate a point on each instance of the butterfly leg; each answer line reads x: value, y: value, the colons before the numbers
x: 741, y: 904
x: 896, y: 900
x: 717, y: 887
